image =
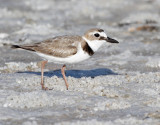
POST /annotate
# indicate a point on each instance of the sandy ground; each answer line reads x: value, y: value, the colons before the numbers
x: 119, y: 85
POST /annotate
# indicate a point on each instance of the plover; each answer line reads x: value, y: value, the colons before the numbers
x: 68, y: 49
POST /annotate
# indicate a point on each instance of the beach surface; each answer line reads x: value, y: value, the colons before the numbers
x: 118, y: 85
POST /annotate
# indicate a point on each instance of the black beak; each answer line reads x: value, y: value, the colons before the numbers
x: 110, y: 40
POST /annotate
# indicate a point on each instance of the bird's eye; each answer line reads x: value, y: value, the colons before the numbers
x: 96, y: 35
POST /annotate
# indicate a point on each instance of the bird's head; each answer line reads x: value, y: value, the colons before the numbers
x: 96, y: 37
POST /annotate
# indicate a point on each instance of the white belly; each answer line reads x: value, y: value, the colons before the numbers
x: 78, y: 57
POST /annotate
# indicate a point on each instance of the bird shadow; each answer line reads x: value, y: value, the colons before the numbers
x: 76, y: 73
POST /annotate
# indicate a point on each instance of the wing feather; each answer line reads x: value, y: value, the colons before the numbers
x: 61, y: 46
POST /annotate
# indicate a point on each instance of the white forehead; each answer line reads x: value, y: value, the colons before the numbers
x: 103, y: 34
x: 100, y: 33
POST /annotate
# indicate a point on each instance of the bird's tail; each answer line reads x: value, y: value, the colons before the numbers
x: 11, y: 46
x: 15, y: 46
x: 30, y: 48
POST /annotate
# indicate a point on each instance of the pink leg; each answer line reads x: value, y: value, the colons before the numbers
x: 42, y: 73
x: 64, y: 76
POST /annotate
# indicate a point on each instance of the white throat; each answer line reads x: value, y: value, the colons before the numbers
x: 94, y: 44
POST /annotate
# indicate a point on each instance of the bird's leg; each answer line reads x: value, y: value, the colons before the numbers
x: 64, y: 76
x: 42, y: 73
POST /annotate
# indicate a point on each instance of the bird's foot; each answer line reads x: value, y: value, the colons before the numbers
x: 45, y: 88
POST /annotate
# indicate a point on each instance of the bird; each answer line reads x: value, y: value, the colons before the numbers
x: 67, y: 49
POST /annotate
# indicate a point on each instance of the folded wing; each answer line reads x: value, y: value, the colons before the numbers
x: 62, y: 46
